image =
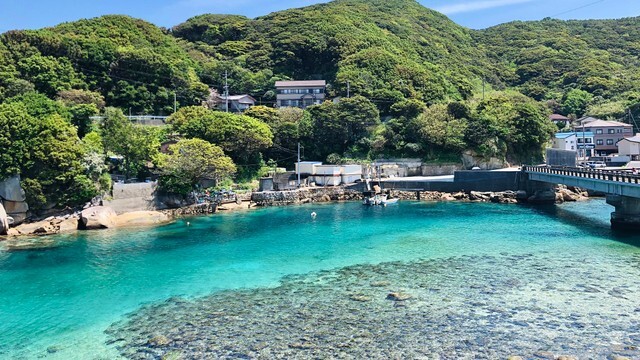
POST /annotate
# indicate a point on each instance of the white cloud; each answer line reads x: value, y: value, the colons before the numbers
x: 477, y: 5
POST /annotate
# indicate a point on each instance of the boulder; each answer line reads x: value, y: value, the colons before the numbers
x: 37, y: 228
x: 546, y: 196
x: 447, y: 197
x: 15, y: 207
x: 4, y: 221
x: 10, y: 189
x: 68, y: 225
x: 97, y: 217
x: 141, y: 218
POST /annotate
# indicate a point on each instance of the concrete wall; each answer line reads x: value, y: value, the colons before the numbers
x: 475, y: 180
x: 134, y: 197
x: 557, y: 157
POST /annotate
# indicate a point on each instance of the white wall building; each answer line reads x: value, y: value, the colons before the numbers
x: 629, y: 146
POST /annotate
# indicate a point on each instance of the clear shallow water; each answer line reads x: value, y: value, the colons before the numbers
x: 62, y: 299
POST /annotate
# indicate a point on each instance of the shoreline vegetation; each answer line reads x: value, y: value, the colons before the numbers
x: 33, y: 235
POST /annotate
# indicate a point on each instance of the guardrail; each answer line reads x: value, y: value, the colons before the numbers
x: 596, y: 174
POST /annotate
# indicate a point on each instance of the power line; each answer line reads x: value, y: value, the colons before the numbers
x: 578, y: 8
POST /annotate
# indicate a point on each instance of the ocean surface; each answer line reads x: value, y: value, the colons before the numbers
x: 89, y: 296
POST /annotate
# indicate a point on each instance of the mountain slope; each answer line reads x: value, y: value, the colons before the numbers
x: 383, y: 48
x: 548, y: 57
x: 132, y: 63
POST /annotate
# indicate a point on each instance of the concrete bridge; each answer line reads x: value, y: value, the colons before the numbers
x: 622, y: 189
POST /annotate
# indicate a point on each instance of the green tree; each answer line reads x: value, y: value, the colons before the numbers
x: 439, y: 132
x: 46, y: 152
x: 239, y: 136
x: 575, y: 102
x: 338, y: 128
x: 137, y: 145
x: 190, y: 161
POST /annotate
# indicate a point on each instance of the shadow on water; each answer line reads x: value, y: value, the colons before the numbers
x: 592, y: 225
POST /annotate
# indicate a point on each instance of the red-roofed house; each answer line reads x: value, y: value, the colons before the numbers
x: 560, y: 119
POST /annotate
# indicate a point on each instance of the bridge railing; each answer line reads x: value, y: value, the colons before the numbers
x: 597, y: 174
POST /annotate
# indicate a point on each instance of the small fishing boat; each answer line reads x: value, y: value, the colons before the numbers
x: 371, y: 199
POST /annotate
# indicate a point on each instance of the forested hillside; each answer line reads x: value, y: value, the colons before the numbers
x: 385, y: 49
x: 131, y: 63
x: 548, y: 59
x: 420, y: 86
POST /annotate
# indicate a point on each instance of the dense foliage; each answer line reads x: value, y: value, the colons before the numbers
x: 419, y: 86
x: 191, y: 160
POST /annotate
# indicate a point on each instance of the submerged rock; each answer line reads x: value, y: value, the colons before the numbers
x: 460, y: 308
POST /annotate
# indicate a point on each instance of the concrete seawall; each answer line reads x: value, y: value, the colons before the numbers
x: 474, y: 180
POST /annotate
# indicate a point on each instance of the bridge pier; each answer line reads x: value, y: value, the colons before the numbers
x: 627, y: 214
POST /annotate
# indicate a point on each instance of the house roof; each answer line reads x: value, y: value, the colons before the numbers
x: 577, y: 134
x: 635, y: 139
x: 297, y: 83
x: 564, y: 135
x: 558, y: 117
x: 602, y: 123
x: 243, y: 99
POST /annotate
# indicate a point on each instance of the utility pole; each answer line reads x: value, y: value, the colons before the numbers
x: 175, y: 101
x: 348, y: 89
x: 226, y: 90
x: 298, y: 165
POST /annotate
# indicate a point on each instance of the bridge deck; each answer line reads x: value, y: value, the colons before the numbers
x: 607, y: 181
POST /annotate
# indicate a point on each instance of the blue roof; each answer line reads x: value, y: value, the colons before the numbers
x: 577, y: 134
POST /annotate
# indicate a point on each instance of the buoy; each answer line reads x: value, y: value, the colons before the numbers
x: 313, y: 214
x: 188, y: 223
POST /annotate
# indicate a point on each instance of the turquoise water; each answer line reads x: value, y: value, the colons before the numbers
x: 56, y: 303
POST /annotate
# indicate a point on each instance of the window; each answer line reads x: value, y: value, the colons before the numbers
x: 588, y: 140
x: 627, y: 130
x: 619, y: 131
x: 572, y: 147
x: 599, y: 131
x: 609, y: 141
x: 599, y: 142
x: 611, y: 131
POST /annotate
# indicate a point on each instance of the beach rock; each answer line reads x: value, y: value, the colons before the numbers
x: 447, y: 197
x: 159, y: 340
x: 398, y: 296
x: 10, y: 189
x: 97, y: 217
x: 546, y: 196
x: 37, y: 228
x: 513, y: 357
x: 478, y: 196
x: 141, y: 218
x: 13, y: 232
x: 68, y: 225
x: 459, y: 196
x: 4, y: 221
x: 521, y: 195
x: 15, y: 206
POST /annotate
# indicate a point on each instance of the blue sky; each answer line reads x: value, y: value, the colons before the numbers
x: 33, y: 14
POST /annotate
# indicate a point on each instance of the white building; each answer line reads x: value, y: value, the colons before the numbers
x: 330, y: 175
x: 629, y: 146
x: 575, y: 141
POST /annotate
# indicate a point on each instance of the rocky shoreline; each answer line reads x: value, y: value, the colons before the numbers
x: 102, y: 217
